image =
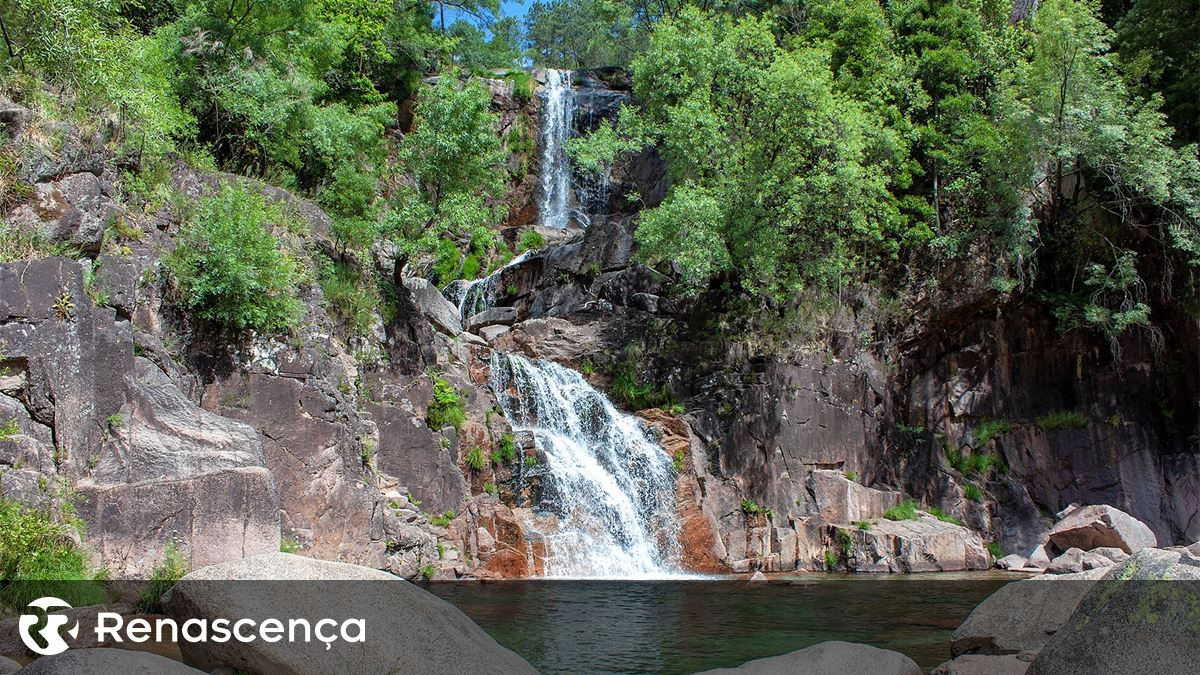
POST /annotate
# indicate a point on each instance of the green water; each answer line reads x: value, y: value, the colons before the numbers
x: 688, y: 626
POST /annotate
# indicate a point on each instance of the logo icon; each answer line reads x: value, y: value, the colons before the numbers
x: 55, y: 644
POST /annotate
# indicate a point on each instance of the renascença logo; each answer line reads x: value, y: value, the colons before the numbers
x: 111, y: 627
x: 55, y: 644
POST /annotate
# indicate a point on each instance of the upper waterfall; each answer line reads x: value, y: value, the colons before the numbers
x: 611, y: 486
x: 558, y: 114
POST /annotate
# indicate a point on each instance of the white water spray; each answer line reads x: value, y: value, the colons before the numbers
x: 611, y: 486
x: 483, y: 293
x: 558, y: 114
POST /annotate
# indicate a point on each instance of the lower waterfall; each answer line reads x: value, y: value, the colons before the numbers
x: 610, y: 485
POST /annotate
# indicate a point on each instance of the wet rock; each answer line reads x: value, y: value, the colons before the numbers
x: 102, y: 661
x: 828, y: 658
x: 1092, y: 527
x: 410, y: 630
x: 441, y: 313
x: 1019, y: 617
x: 505, y: 316
x: 1140, y: 618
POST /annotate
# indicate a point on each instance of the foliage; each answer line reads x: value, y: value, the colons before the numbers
x: 972, y: 492
x: 475, y: 51
x: 289, y: 544
x: 446, y: 409
x: 974, y: 464
x: 905, y: 510
x: 995, y: 550
x: 489, y: 488
x: 989, y: 429
x: 115, y: 420
x: 852, y: 475
x: 864, y: 525
x: 9, y: 428
x: 1062, y: 419
x: 1156, y: 39
x: 941, y: 515
x: 831, y: 560
x: 506, y: 450
x: 579, y: 34
x: 752, y: 507
x: 456, y: 161
x: 229, y: 269
x: 38, y: 557
x: 443, y: 519
x: 628, y: 387
x: 347, y: 297
x: 530, y: 240
x: 169, y: 570
x: 475, y: 459
x: 678, y: 461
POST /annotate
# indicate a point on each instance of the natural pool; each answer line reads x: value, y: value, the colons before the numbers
x: 688, y: 626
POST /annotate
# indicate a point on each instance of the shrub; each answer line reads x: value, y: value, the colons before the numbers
x: 475, y: 459
x: 1063, y: 419
x: 446, y: 409
x: 943, y: 516
x: 852, y: 475
x: 289, y: 544
x: 989, y: 429
x: 229, y: 269
x: 530, y: 240
x: 752, y: 507
x: 9, y: 428
x: 831, y: 560
x: 905, y: 510
x: 864, y: 525
x: 443, y: 519
x: 677, y: 461
x: 506, y: 450
x: 587, y: 368
x: 115, y: 420
x: 846, y: 543
x: 523, y: 86
x: 531, y: 461
x: 39, y: 558
x: 978, y: 464
x: 972, y: 492
x: 994, y: 549
x: 489, y: 487
x: 346, y: 299
x: 428, y: 572
x: 170, y: 570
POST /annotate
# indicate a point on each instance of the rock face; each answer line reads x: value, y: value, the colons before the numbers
x: 840, y: 500
x: 409, y: 629
x: 1092, y: 527
x: 924, y: 545
x: 441, y: 313
x: 1139, y: 618
x: 102, y: 661
x: 828, y: 658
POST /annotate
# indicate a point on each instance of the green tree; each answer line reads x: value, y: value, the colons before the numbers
x: 456, y: 161
x: 582, y: 33
x: 1157, y: 41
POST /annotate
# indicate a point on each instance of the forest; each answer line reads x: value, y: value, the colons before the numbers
x: 812, y: 146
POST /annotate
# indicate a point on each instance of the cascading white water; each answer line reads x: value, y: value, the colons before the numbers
x: 558, y: 114
x: 481, y: 294
x: 610, y: 485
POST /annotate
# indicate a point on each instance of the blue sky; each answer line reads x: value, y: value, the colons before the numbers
x: 507, y: 8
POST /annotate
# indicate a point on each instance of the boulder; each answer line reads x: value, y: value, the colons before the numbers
x: 1012, y: 562
x: 1094, y: 561
x: 1069, y: 562
x: 1098, y: 526
x: 8, y: 666
x: 841, y: 500
x: 1114, y: 554
x: 490, y: 333
x: 828, y: 658
x: 924, y: 545
x: 758, y: 577
x: 981, y: 664
x: 505, y: 316
x: 1140, y: 618
x: 1018, y: 618
x: 103, y: 661
x: 1038, y: 558
x: 409, y: 630
x: 441, y: 313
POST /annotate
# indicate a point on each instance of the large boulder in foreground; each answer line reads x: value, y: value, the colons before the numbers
x: 1019, y: 618
x: 408, y: 630
x: 1140, y: 618
x: 829, y: 658
x: 103, y: 661
x: 1098, y: 526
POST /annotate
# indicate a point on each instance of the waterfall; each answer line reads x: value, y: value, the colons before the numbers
x: 558, y: 113
x: 611, y: 486
x: 482, y: 294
